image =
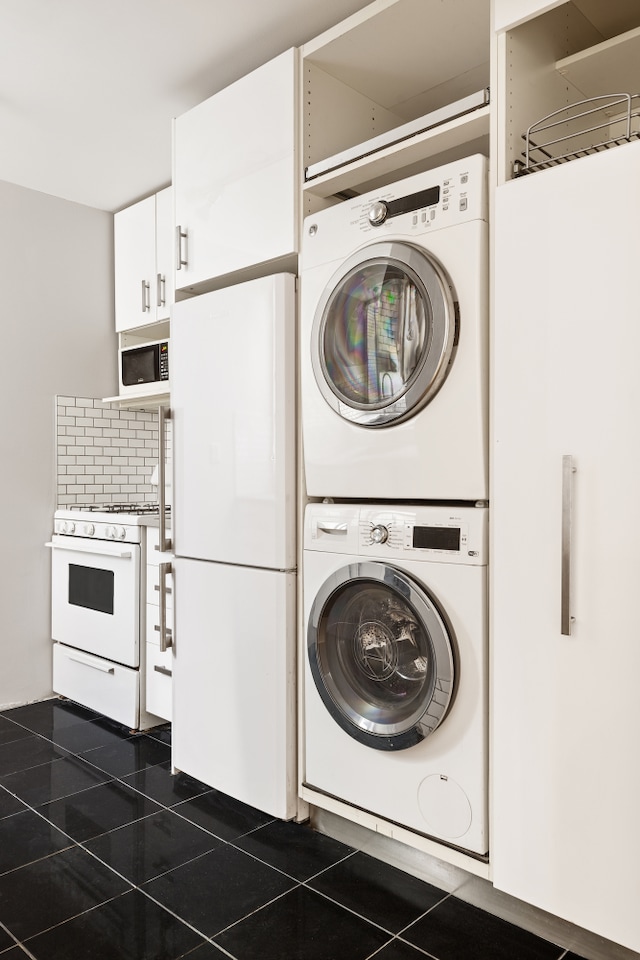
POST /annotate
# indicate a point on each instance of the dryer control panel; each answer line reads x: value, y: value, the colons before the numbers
x: 408, y: 209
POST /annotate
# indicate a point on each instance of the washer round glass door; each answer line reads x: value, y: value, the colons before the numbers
x: 383, y: 334
x: 381, y: 655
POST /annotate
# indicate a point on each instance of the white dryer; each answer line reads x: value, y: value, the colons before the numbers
x: 396, y: 700
x: 394, y: 366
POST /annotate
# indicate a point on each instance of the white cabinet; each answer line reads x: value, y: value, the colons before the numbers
x: 159, y: 666
x: 394, y: 63
x: 235, y: 176
x: 143, y: 241
x: 566, y: 773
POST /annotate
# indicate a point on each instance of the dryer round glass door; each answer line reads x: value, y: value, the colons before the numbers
x: 381, y: 655
x: 383, y: 334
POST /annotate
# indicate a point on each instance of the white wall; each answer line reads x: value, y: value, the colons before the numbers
x: 57, y: 336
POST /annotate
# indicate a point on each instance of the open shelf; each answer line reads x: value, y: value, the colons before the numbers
x: 607, y: 67
x: 149, y: 401
x: 392, y: 64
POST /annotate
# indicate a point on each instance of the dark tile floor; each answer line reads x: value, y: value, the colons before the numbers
x: 104, y: 855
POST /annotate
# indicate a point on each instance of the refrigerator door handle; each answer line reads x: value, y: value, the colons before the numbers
x: 164, y: 414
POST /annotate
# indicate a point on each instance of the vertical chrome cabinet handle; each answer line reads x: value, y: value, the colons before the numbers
x: 160, y: 290
x: 166, y: 638
x: 180, y: 236
x: 146, y: 306
x: 566, y: 620
x: 164, y: 414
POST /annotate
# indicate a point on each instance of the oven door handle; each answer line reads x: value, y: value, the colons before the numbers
x: 102, y: 551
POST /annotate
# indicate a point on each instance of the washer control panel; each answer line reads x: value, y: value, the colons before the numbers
x: 443, y: 534
x: 436, y: 533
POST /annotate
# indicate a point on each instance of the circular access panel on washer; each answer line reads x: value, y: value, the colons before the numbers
x: 445, y: 806
x: 384, y: 334
x: 381, y: 655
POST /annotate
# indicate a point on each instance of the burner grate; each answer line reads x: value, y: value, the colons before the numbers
x: 133, y: 509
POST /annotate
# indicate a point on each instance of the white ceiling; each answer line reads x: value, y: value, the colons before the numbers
x: 88, y: 88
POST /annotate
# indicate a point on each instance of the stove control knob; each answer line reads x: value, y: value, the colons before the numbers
x: 379, y: 533
x: 70, y: 527
x: 377, y: 213
x: 121, y: 533
x: 111, y: 533
x: 89, y: 529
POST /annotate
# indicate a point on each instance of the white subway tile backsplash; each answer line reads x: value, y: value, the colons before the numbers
x: 105, y: 454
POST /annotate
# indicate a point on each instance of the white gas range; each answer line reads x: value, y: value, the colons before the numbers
x: 97, y: 611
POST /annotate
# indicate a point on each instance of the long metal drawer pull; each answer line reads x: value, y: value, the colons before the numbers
x: 166, y: 636
x: 146, y: 306
x: 102, y: 667
x: 100, y: 551
x: 163, y: 670
x: 164, y: 414
x: 335, y: 528
x: 180, y: 235
x: 566, y: 620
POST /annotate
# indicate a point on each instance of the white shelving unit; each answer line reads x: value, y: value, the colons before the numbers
x: 569, y: 52
x: 388, y: 64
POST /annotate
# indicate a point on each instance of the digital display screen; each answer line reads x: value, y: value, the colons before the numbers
x: 436, y: 538
x: 416, y: 201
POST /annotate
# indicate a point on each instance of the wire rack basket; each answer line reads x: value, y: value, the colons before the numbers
x: 588, y: 126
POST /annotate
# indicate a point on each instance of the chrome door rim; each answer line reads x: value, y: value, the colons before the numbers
x: 434, y: 706
x: 436, y: 288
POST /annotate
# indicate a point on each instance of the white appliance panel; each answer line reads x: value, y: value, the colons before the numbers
x: 234, y: 682
x: 437, y: 787
x: 233, y: 396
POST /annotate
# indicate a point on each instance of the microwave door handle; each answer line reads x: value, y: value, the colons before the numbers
x: 101, y: 551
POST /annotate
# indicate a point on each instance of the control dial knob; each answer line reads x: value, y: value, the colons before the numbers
x: 89, y: 529
x: 377, y: 213
x: 379, y: 533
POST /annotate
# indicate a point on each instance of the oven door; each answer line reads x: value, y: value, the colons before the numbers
x: 95, y: 594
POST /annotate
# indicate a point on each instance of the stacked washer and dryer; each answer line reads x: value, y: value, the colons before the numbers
x: 394, y: 375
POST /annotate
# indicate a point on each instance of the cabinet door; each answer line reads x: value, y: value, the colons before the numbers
x: 235, y: 174
x: 135, y: 264
x: 566, y: 767
x: 164, y: 276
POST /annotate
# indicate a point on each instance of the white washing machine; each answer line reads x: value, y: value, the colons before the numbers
x: 394, y: 366
x: 396, y: 701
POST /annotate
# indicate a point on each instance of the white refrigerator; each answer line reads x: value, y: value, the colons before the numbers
x: 232, y: 364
